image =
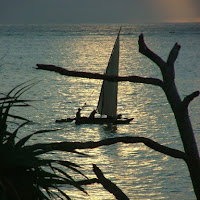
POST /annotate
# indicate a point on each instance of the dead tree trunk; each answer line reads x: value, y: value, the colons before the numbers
x: 179, y: 107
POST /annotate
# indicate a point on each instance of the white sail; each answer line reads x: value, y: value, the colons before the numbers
x: 107, y: 104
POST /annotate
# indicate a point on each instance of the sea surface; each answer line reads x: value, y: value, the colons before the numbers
x: 141, y: 173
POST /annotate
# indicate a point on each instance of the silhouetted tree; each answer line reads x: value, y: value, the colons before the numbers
x: 179, y: 108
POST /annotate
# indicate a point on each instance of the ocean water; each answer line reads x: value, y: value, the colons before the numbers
x: 140, y: 172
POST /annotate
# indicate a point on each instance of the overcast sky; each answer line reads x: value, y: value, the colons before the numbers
x: 98, y: 11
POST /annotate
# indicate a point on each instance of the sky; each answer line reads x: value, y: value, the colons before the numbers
x: 98, y: 11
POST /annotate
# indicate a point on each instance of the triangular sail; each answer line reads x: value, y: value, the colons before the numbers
x: 107, y: 104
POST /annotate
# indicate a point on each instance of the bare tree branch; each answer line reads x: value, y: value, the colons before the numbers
x: 189, y: 98
x: 143, y: 49
x: 191, y: 154
x: 72, y: 146
x: 88, y: 181
x: 170, y: 72
x: 167, y: 68
x: 179, y: 108
x: 108, y: 185
x: 173, y: 54
x: 135, y: 79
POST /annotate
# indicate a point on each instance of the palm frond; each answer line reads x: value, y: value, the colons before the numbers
x: 66, y: 196
x: 18, y: 117
x: 29, y: 170
x: 12, y: 137
x: 67, y: 163
x: 25, y: 139
x: 62, y: 172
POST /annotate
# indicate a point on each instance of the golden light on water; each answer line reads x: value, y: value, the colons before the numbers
x: 135, y: 168
x: 89, y: 54
x: 139, y: 171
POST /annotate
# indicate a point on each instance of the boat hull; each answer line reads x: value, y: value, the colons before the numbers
x: 86, y: 120
x: 65, y: 120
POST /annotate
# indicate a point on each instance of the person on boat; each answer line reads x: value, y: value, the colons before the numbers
x: 119, y: 116
x: 92, y: 114
x: 78, y: 114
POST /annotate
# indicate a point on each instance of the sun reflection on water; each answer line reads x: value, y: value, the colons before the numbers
x: 140, y: 172
x: 134, y: 168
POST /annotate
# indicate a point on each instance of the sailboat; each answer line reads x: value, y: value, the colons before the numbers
x: 107, y: 104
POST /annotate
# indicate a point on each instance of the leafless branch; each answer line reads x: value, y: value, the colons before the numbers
x: 72, y: 146
x: 135, y: 79
x: 108, y: 185
x: 170, y: 72
x: 173, y: 54
x: 88, y: 181
x: 167, y: 68
x: 189, y: 98
x: 143, y: 49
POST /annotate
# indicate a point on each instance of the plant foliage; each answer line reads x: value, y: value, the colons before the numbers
x: 26, y: 174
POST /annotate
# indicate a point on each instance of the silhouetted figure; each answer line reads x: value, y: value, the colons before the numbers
x: 119, y: 116
x: 92, y: 114
x: 78, y: 114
